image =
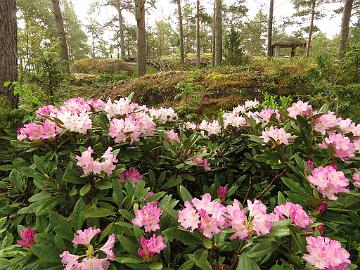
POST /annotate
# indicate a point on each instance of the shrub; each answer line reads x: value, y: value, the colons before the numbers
x: 117, y: 184
x: 108, y: 66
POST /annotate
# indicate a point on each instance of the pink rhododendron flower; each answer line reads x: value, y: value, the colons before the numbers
x: 34, y: 132
x: 28, y: 237
x: 84, y: 237
x: 46, y: 111
x: 326, y: 254
x: 148, y: 217
x: 344, y: 148
x: 190, y: 126
x: 211, y: 128
x: 206, y: 215
x: 251, y: 104
x: 222, y: 192
x: 356, y: 178
x: 326, y: 122
x: 108, y: 247
x: 171, y: 136
x: 132, y: 174
x: 69, y: 260
x: 88, y: 164
x: 295, y: 212
x: 299, y: 108
x: 93, y: 264
x: 277, y: 134
x: 97, y: 104
x: 237, y: 221
x: 119, y: 107
x: 163, y: 115
x: 234, y: 120
x: 150, y: 247
x: 266, y: 114
x: 262, y: 222
x: 74, y: 122
x: 329, y: 181
x: 75, y: 106
x: 203, y: 163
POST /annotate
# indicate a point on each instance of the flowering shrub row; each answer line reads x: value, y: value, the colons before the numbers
x: 110, y: 185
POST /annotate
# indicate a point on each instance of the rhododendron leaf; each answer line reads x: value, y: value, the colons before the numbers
x: 172, y: 182
x: 183, y: 236
x: 85, y: 189
x: 126, y: 214
x: 103, y: 185
x: 280, y: 228
x: 294, y: 186
x: 246, y: 263
x: 201, y: 259
x: 188, y: 265
x: 117, y: 194
x: 128, y: 260
x: 137, y: 233
x: 156, y: 196
x: 128, y: 244
x: 39, y: 196
x: 61, y: 225
x: 260, y: 250
x: 71, y: 176
x: 46, y: 205
x: 185, y: 194
x: 78, y: 214
x: 95, y: 212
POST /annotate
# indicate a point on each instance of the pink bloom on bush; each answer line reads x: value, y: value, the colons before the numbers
x: 262, y: 222
x: 171, y: 136
x: 88, y: 164
x: 295, y: 212
x: 108, y: 164
x: 326, y: 122
x: 299, y: 108
x: 251, y: 104
x: 75, y: 106
x: 222, y: 192
x: 203, y: 163
x: 266, y: 115
x: 329, y: 181
x: 356, y: 178
x: 28, y: 237
x: 148, y: 217
x: 108, y: 247
x: 344, y: 148
x: 326, y: 254
x: 131, y: 174
x: 163, y: 114
x: 93, y: 264
x: 211, y: 128
x: 34, y: 132
x: 83, y: 237
x: 119, y: 107
x: 189, y: 218
x: 69, y: 260
x: 277, y: 134
x: 46, y: 111
x: 234, y: 120
x: 150, y: 247
x: 74, y: 122
x: 97, y: 104
x: 237, y: 221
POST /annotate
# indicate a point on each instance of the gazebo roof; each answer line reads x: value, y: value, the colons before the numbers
x: 290, y: 41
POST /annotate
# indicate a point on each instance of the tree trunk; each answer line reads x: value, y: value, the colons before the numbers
x: 121, y: 28
x: 213, y: 37
x: 218, y: 32
x: 313, y: 4
x: 59, y: 23
x: 270, y: 28
x: 8, y: 49
x: 344, y: 35
x: 198, y: 57
x: 141, y: 37
x: 181, y: 32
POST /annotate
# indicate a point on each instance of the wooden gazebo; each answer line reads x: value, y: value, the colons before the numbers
x: 289, y: 43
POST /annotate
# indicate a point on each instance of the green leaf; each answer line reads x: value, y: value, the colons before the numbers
x: 94, y: 212
x: 201, y: 259
x: 185, y: 194
x: 85, y: 189
x: 61, y: 225
x: 39, y: 196
x: 72, y: 176
x: 245, y: 263
x: 78, y: 214
x: 183, y: 236
x: 188, y: 265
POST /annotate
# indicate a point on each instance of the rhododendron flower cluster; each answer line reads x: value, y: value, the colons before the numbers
x: 89, y: 165
x: 28, y: 237
x: 211, y: 128
x: 329, y: 181
x: 132, y: 174
x: 163, y: 115
x: 34, y: 132
x: 299, y: 108
x: 148, y: 217
x: 266, y: 114
x: 326, y: 122
x: 326, y: 254
x: 356, y: 178
x: 262, y: 222
x: 80, y: 123
x: 203, y: 163
x: 234, y: 120
x: 150, y: 247
x: 131, y: 127
x: 171, y: 136
x: 251, y: 104
x: 237, y: 220
x: 344, y: 148
x: 295, y: 212
x: 279, y: 135
x: 90, y: 260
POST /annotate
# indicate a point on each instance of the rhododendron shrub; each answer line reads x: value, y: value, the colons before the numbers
x: 117, y: 185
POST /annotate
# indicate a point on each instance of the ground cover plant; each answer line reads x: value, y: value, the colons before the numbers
x: 114, y: 184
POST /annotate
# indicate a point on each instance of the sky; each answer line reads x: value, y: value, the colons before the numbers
x: 330, y: 24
